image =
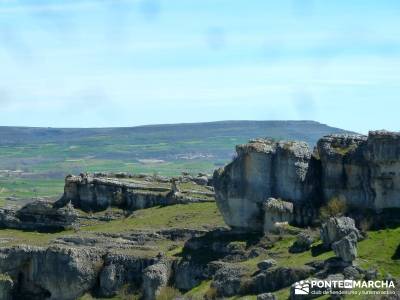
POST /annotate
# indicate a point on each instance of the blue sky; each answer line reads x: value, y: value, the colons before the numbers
x: 86, y: 63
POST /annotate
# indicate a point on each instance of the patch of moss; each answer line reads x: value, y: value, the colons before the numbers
x: 199, y: 291
x: 344, y: 150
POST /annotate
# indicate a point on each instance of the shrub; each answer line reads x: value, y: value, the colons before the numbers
x: 129, y: 292
x: 211, y: 294
x: 168, y: 293
x: 334, y: 208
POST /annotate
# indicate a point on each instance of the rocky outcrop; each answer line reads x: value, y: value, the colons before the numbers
x: 188, y: 274
x: 6, y: 286
x: 99, y: 191
x: 302, y: 243
x: 361, y: 170
x: 342, y: 235
x: 334, y: 229
x: 277, y: 278
x: 266, y: 264
x: 155, y: 277
x: 266, y: 296
x: 276, y: 212
x: 119, y: 270
x: 227, y: 280
x: 262, y: 169
x: 39, y: 215
x: 50, y: 273
x: 346, y: 248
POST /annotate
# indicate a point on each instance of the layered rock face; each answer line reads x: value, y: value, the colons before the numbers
x: 38, y: 215
x: 262, y: 169
x: 99, y: 191
x: 101, y: 264
x: 361, y: 170
x: 49, y: 273
x: 342, y: 236
x: 276, y: 212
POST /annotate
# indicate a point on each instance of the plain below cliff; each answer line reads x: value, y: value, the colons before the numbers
x: 34, y: 161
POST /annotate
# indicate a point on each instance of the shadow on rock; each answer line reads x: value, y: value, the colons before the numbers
x: 318, y: 250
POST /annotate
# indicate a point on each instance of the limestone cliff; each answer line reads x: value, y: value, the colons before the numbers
x: 96, y: 192
x: 38, y: 215
x: 365, y: 171
x: 362, y: 170
x: 262, y: 169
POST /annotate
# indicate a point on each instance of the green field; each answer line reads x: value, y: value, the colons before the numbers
x: 34, y: 161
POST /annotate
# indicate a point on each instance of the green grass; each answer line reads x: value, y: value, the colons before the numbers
x: 27, y: 188
x: 193, y: 215
x: 280, y: 253
x: 53, y: 153
x: 344, y: 150
x: 198, y: 291
x: 16, y: 237
x: 378, y: 249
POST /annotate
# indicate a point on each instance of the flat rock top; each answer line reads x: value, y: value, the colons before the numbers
x: 384, y: 134
x: 296, y: 148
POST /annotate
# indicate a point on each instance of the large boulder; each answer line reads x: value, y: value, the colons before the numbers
x: 346, y: 248
x: 262, y: 169
x: 302, y: 243
x: 336, y: 228
x: 266, y: 264
x: 155, y: 277
x: 227, y: 280
x: 276, y: 212
x: 188, y: 274
x: 39, y: 215
x: 277, y: 278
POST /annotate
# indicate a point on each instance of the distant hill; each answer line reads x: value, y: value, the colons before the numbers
x: 309, y: 131
x: 57, y: 151
x: 34, y: 161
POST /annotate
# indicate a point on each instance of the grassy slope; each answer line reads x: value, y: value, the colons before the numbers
x: 194, y: 215
x: 378, y: 250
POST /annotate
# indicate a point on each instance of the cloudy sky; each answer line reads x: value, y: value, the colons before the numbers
x: 87, y: 63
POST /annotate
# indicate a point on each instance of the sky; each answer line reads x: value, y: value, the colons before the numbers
x: 106, y: 63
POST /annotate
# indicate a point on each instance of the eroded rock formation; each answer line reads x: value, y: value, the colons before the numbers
x: 49, y: 273
x: 96, y: 192
x: 38, y: 215
x: 361, y: 170
x: 262, y: 169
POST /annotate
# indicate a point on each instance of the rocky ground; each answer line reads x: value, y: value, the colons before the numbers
x: 134, y: 256
x: 121, y: 236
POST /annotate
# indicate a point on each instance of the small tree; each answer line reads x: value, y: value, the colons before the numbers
x: 335, y: 207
